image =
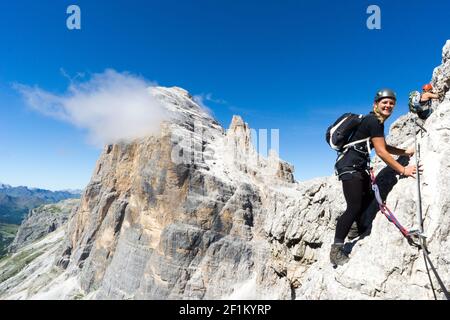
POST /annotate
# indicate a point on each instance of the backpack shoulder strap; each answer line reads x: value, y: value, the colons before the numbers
x: 356, y: 142
x: 351, y: 144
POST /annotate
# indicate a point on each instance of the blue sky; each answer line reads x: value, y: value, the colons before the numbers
x: 290, y: 65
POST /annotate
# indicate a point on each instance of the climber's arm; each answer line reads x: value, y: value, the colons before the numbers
x: 395, y: 151
x: 428, y: 95
x: 382, y: 151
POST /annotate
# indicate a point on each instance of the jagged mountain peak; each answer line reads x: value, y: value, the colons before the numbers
x: 236, y: 122
x: 180, y: 104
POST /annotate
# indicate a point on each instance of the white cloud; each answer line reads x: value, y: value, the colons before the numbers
x: 202, y: 97
x: 200, y: 100
x: 111, y: 106
x: 209, y: 97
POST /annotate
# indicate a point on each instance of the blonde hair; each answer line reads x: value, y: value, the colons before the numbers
x: 378, y: 113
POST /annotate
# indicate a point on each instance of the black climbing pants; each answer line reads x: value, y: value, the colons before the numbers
x: 358, y: 195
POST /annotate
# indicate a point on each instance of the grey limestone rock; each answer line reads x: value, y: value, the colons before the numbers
x: 42, y: 221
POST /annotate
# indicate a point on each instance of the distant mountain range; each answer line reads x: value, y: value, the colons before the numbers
x: 15, y: 202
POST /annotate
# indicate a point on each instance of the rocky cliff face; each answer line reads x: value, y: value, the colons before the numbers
x: 196, y: 213
x: 441, y: 74
x: 42, y: 221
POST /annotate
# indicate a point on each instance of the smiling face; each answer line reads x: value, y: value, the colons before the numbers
x: 384, y: 107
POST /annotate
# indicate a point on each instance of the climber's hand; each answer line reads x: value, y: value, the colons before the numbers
x: 410, y: 171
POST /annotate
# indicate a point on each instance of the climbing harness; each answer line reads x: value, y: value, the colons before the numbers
x: 352, y: 145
